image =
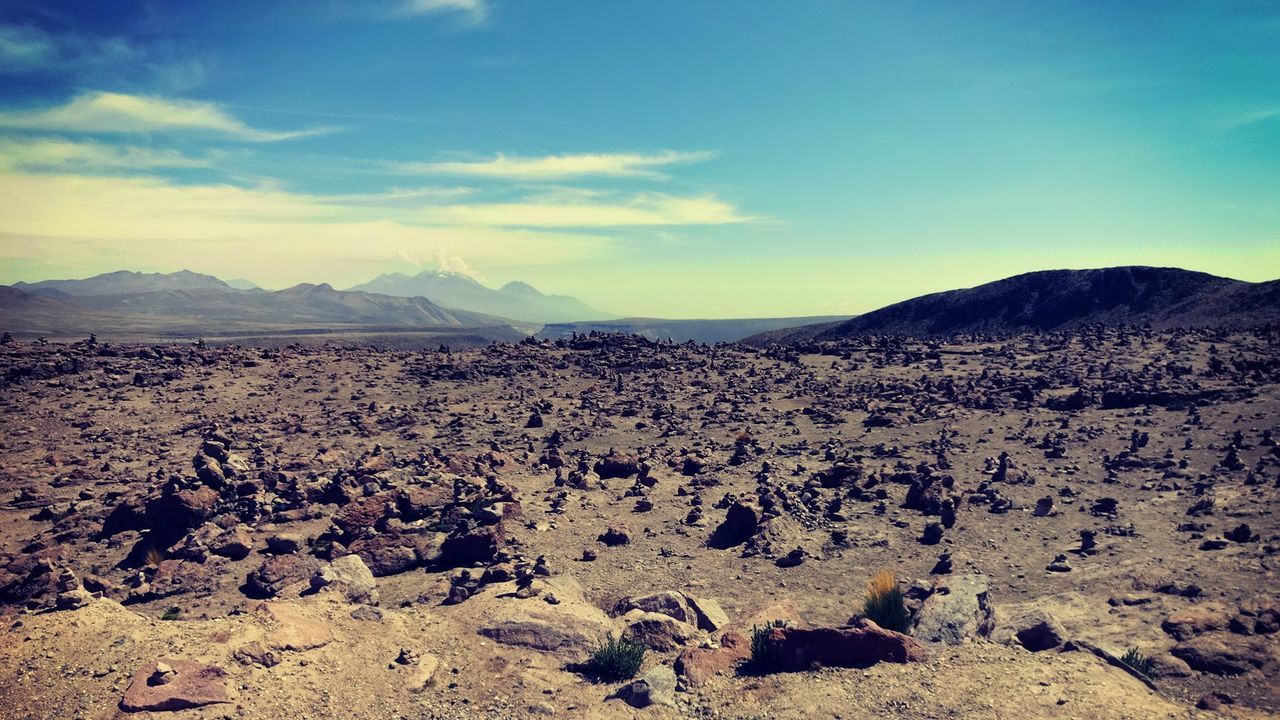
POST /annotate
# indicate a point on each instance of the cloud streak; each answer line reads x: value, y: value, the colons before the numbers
x: 560, y: 167
x: 648, y: 209
x: 1252, y: 117
x: 474, y: 11
x: 118, y: 113
x: 57, y: 154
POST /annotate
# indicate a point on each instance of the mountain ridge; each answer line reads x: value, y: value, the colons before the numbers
x: 1046, y: 300
x: 517, y: 300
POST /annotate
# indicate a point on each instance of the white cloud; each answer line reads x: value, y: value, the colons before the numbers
x: 288, y: 237
x: 475, y: 11
x: 646, y: 209
x: 105, y: 112
x: 556, y: 167
x: 440, y: 259
x: 57, y: 154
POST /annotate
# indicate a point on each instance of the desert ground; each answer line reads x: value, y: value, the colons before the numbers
x: 357, y: 531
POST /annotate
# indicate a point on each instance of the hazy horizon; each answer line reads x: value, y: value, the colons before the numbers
x: 728, y: 316
x: 673, y: 160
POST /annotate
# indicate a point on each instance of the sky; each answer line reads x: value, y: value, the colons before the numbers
x: 659, y: 158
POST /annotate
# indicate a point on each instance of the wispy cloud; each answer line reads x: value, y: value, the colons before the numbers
x: 28, y: 48
x: 106, y: 112
x: 57, y: 154
x: 87, y: 59
x: 640, y: 210
x: 559, y: 167
x: 474, y: 11
x: 1251, y: 117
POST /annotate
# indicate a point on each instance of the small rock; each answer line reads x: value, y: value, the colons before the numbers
x: 655, y: 687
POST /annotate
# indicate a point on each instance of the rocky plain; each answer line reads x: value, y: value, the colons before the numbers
x: 196, y: 531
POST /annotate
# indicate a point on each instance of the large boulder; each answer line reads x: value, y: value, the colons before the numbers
x: 1031, y: 627
x: 709, y: 615
x: 357, y: 517
x: 277, y: 573
x: 1224, y: 653
x: 386, y: 554
x: 350, y: 576
x: 572, y: 628
x: 657, y: 631
x: 740, y: 522
x: 479, y: 545
x: 1186, y: 624
x: 860, y: 644
x: 698, y: 665
x: 171, y: 515
x: 617, y: 465
x: 235, y: 543
x: 959, y: 608
x: 671, y: 604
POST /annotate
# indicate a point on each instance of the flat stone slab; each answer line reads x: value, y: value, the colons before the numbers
x: 190, y: 685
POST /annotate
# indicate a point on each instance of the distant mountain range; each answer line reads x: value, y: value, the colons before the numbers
x: 191, y: 304
x: 186, y: 304
x: 1062, y: 299
x: 515, y: 300
x: 127, y: 282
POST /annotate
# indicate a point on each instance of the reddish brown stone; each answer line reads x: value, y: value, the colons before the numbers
x: 858, y: 645
x: 191, y: 685
x: 699, y: 665
x: 356, y: 517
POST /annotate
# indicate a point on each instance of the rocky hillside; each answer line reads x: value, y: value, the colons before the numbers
x: 1063, y: 299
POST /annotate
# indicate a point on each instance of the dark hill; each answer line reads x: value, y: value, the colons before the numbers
x: 1061, y: 299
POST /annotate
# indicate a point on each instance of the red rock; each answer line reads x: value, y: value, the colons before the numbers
x: 1224, y: 653
x: 278, y: 572
x: 617, y: 465
x: 419, y: 502
x: 699, y: 665
x: 386, y: 554
x: 192, y: 685
x: 858, y: 645
x: 356, y: 517
x: 1186, y: 624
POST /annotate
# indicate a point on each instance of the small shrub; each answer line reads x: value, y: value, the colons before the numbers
x: 885, y: 605
x: 616, y: 659
x: 764, y: 656
x: 172, y: 613
x: 154, y: 556
x: 1137, y: 661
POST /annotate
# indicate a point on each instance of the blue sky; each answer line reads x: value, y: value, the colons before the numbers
x: 658, y: 158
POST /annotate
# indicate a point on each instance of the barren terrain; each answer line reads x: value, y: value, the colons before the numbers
x: 1047, y: 503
